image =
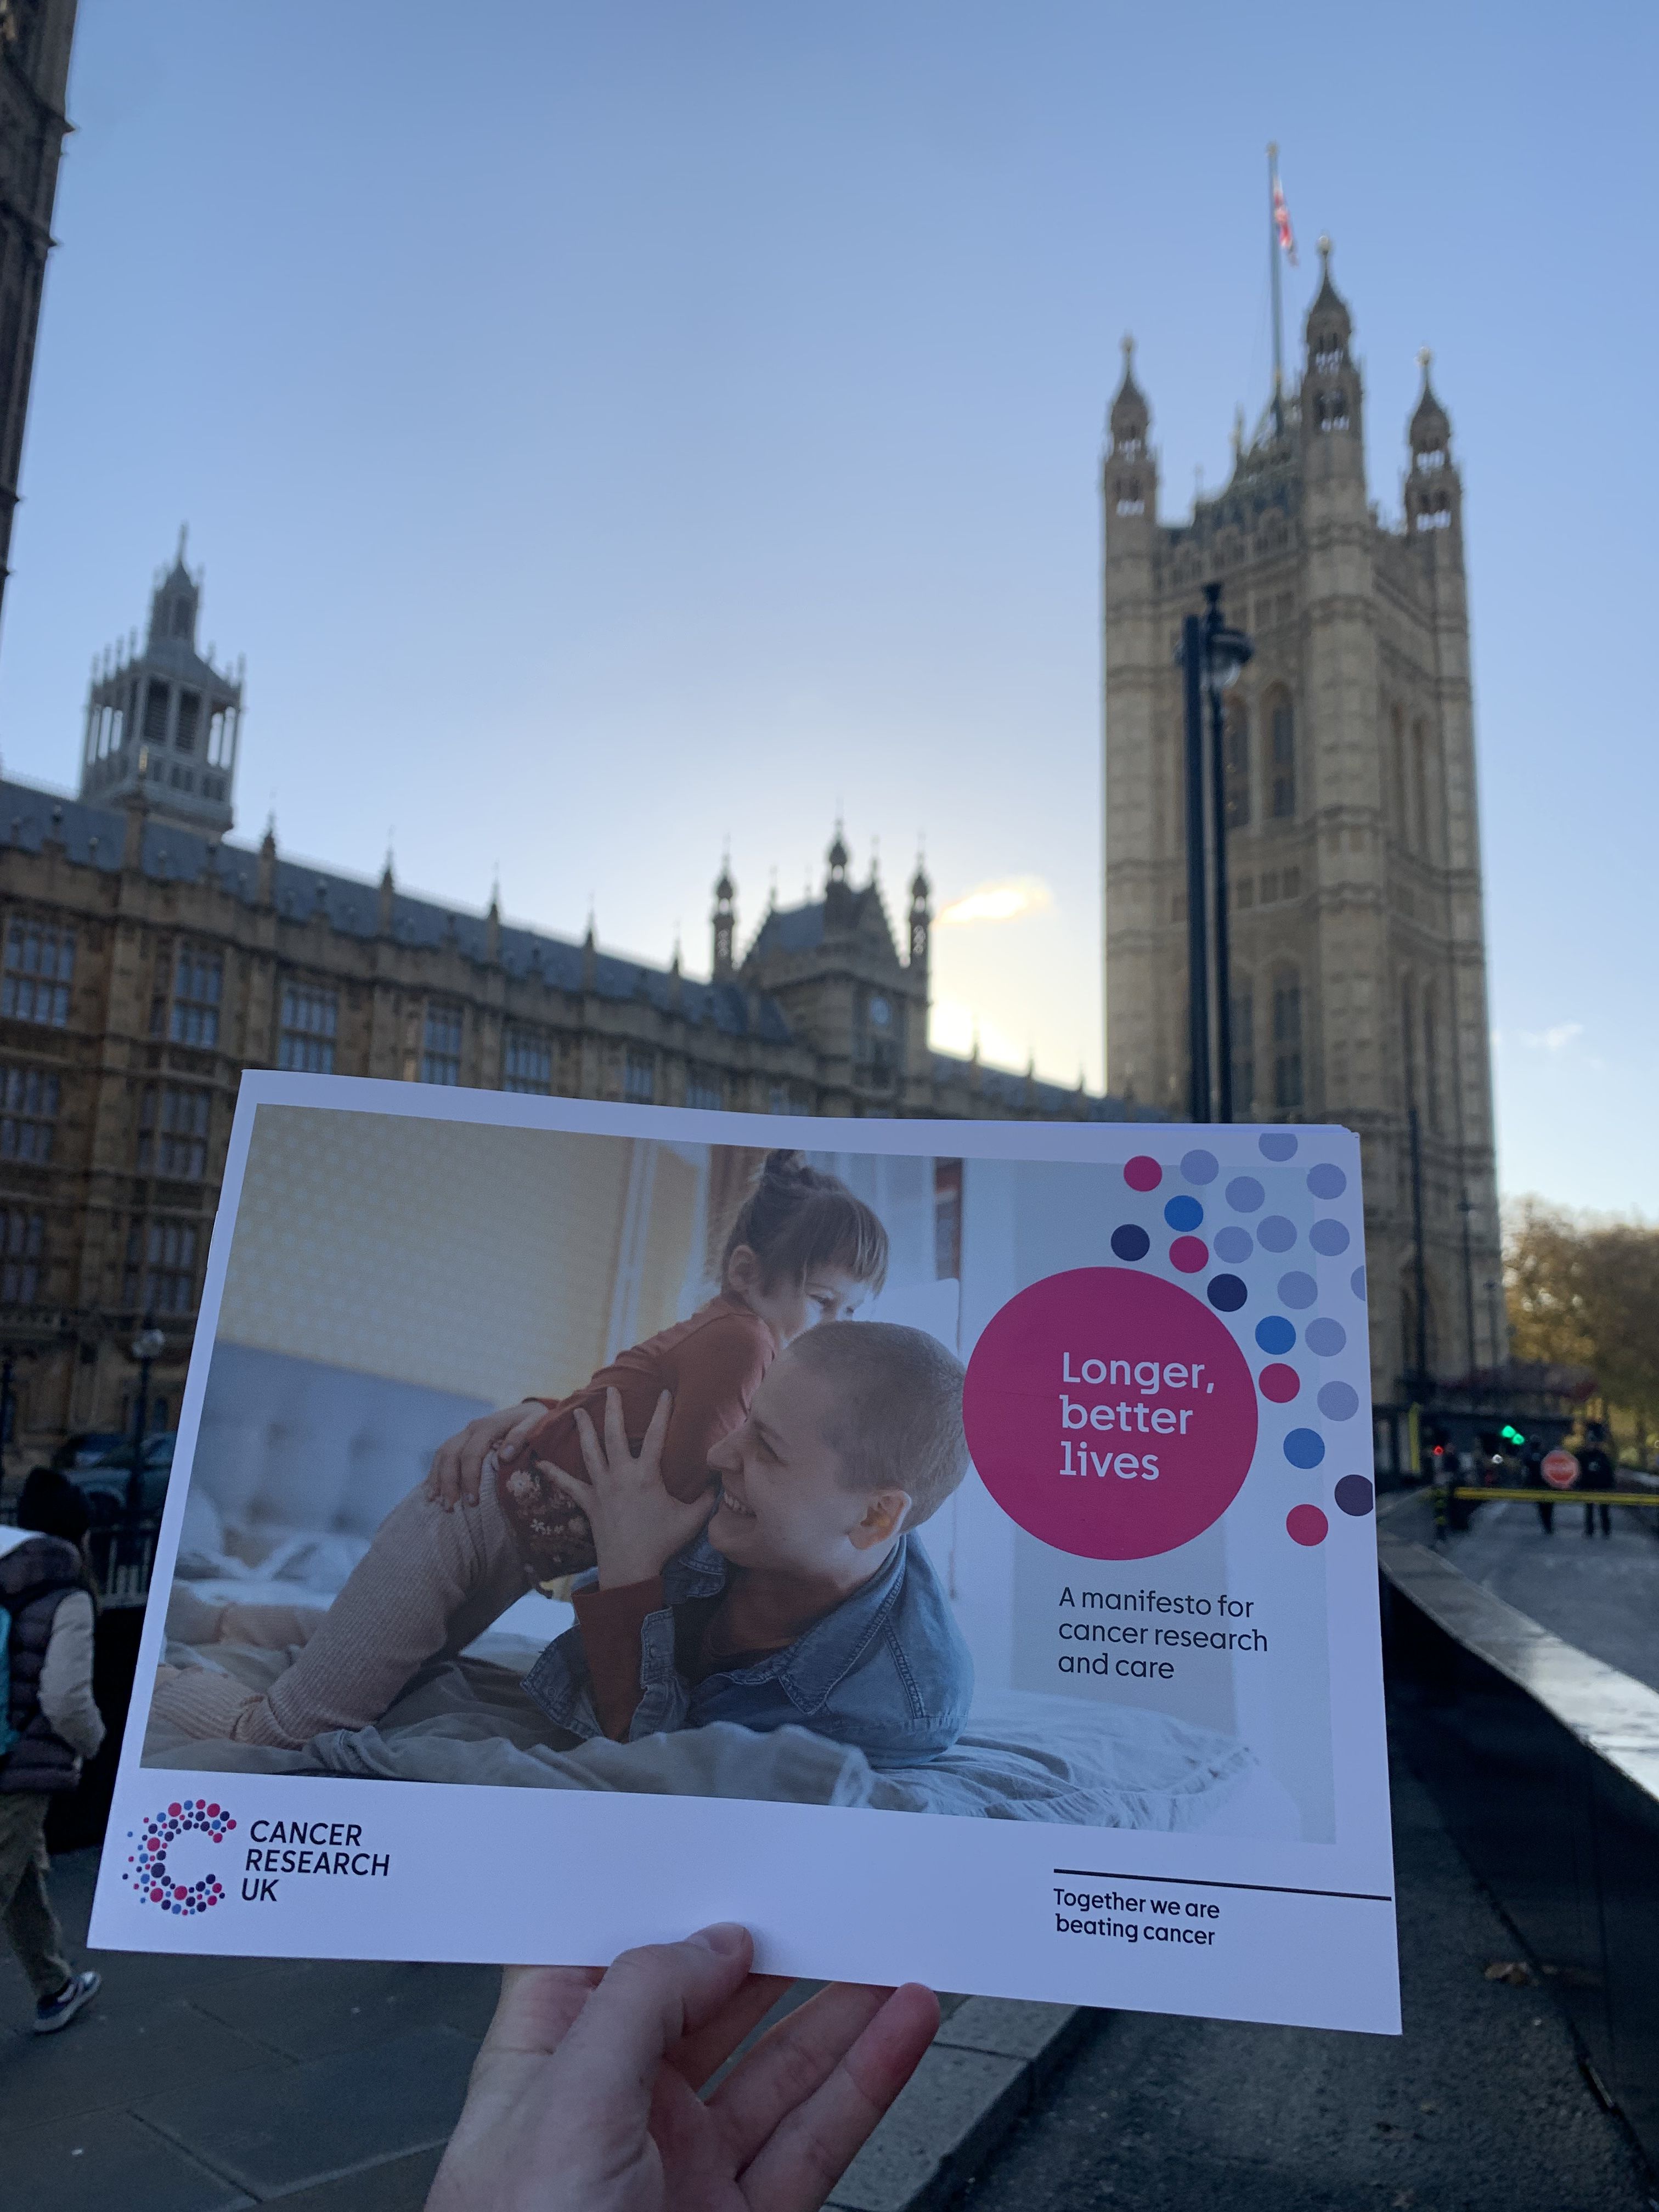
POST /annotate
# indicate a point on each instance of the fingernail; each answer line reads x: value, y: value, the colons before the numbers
x: 725, y: 1937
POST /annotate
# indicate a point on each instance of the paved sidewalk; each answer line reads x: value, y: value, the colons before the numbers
x: 192, y: 2085
x: 1479, y: 2106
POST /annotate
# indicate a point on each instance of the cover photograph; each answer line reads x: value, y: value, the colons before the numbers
x: 947, y: 1547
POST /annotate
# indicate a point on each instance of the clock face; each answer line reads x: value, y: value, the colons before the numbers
x: 880, y: 1013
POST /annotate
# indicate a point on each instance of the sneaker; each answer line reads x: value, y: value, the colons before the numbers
x: 53, y: 2012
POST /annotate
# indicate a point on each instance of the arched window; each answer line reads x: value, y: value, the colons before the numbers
x: 1420, y: 785
x: 1281, y: 759
x: 1236, y: 763
x: 1244, y: 1028
x: 1288, y: 1090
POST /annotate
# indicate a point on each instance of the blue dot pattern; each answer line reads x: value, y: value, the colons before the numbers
x: 1275, y: 1233
x: 1227, y: 1293
x: 1278, y: 1144
x: 1233, y: 1244
x: 1245, y: 1193
x: 1200, y: 1167
x: 1327, y: 1180
x: 1298, y: 1291
x: 1274, y: 1334
x: 1131, y: 1242
x: 1356, y: 1282
x: 1327, y: 1338
x: 1304, y: 1447
x: 1337, y: 1401
x: 1184, y: 1212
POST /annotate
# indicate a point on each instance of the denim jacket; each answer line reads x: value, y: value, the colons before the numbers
x: 886, y: 1672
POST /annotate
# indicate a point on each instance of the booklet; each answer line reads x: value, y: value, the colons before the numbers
x: 946, y: 1546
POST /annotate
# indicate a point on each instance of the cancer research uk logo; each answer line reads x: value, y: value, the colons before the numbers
x: 162, y: 1866
x: 147, y: 1867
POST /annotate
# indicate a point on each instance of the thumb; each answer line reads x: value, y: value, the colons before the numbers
x: 647, y: 2002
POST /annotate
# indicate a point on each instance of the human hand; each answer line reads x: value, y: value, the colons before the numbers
x: 584, y: 2097
x: 457, y: 1464
x: 637, y: 1525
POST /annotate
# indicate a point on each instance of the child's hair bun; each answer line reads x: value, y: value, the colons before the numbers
x: 788, y: 1168
x: 796, y: 1216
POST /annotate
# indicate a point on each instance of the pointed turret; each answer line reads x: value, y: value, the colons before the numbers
x: 1331, y: 428
x: 724, y: 919
x: 921, y: 892
x: 1129, y: 475
x: 1434, y: 492
x: 165, y: 722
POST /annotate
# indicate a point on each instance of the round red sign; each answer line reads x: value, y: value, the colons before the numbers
x: 1559, y: 1469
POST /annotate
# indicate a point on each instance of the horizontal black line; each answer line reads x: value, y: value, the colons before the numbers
x: 1191, y: 1881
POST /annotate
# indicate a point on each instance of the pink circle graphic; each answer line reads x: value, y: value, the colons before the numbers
x: 1306, y: 1524
x: 1143, y: 1173
x: 1279, y: 1382
x: 1189, y: 1253
x: 1110, y: 1413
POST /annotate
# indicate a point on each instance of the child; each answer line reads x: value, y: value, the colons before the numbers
x: 802, y: 1250
x: 804, y: 1599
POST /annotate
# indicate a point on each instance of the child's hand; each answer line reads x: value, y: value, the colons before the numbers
x: 637, y: 1526
x: 457, y: 1463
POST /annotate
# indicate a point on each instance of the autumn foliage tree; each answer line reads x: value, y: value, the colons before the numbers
x: 1583, y: 1291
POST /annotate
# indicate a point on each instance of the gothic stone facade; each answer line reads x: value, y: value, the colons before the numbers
x: 147, y: 962
x: 1358, y: 960
x: 34, y: 55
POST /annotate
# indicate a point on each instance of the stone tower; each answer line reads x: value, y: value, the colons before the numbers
x: 34, y: 55
x: 1358, y: 957
x: 162, y: 724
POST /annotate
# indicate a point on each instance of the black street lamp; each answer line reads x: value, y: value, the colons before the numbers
x: 148, y: 1346
x: 1212, y: 656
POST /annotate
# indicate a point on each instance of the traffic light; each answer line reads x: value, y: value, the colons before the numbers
x: 1512, y: 1436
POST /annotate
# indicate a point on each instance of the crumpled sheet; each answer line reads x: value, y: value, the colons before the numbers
x: 1021, y: 1757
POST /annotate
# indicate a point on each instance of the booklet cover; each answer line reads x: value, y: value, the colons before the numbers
x: 947, y: 1547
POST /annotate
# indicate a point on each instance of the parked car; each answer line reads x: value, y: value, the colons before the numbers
x: 104, y: 1476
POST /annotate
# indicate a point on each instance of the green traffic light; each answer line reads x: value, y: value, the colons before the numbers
x: 1511, y: 1435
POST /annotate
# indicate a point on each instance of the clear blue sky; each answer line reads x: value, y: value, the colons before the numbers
x: 609, y: 430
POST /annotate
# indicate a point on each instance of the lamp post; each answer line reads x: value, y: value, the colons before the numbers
x: 1211, y: 656
x: 147, y: 1345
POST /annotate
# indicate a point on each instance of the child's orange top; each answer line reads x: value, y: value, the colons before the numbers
x: 712, y: 1364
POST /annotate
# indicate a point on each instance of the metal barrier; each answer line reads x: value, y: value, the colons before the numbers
x: 1450, y: 1496
x: 1545, y: 1764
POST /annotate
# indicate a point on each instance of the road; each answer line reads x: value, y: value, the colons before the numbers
x: 1600, y: 1593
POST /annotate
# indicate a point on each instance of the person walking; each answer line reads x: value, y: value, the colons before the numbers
x: 48, y: 1724
x: 1532, y: 1478
x: 1598, y: 1473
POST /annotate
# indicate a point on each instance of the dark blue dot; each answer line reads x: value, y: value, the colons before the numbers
x: 1274, y: 1334
x: 1304, y: 1447
x: 1227, y: 1293
x: 1184, y: 1212
x: 1277, y: 1144
x: 1131, y: 1242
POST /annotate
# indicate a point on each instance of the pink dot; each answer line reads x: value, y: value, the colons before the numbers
x: 1279, y: 1382
x: 175, y: 1810
x: 1189, y: 1253
x: 1307, y: 1525
x: 1143, y: 1173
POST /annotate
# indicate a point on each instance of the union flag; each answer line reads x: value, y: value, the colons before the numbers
x: 1282, y: 221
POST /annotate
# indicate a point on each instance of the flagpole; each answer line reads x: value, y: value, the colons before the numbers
x: 1278, y: 311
